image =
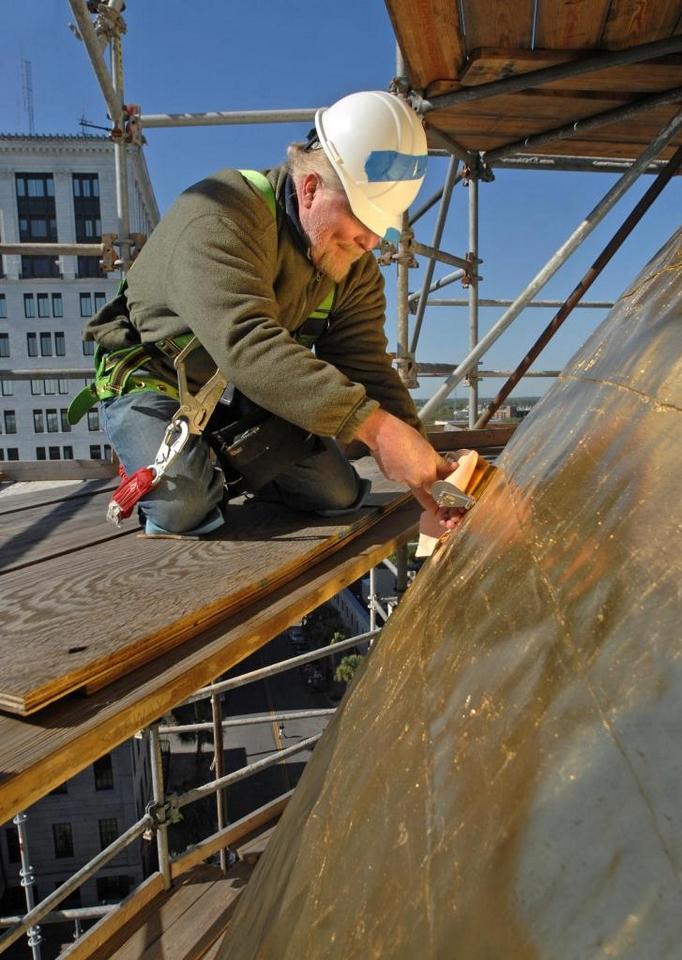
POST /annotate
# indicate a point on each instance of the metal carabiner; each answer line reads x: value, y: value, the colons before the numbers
x: 170, y: 448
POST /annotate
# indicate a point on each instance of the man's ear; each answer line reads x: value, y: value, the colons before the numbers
x: 309, y: 187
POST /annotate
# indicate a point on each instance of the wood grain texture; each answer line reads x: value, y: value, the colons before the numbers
x: 487, y: 128
x: 570, y: 24
x: 490, y: 64
x: 147, y: 595
x: 56, y: 470
x: 45, y: 532
x: 641, y: 21
x: 491, y: 23
x: 41, y: 752
x: 430, y: 38
x: 12, y: 502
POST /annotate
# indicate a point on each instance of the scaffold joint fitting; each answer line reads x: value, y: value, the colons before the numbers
x: 163, y: 813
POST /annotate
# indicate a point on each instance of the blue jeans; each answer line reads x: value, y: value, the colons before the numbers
x: 188, y: 498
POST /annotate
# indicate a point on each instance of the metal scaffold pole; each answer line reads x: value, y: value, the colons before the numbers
x: 27, y: 881
x: 121, y: 160
x: 405, y: 357
x: 583, y: 230
x: 219, y: 769
x: 583, y: 286
x: 450, y: 180
x: 473, y: 294
x: 159, y: 799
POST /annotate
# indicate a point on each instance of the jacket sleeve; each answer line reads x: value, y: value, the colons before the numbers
x: 219, y: 279
x: 356, y: 343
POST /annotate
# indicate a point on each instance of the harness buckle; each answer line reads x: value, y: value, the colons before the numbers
x: 174, y: 441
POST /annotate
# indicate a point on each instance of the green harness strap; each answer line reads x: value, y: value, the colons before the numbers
x: 114, y: 370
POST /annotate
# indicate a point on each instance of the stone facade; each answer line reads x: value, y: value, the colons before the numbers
x: 54, y: 309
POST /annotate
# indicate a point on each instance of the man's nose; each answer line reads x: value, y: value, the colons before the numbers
x: 367, y: 240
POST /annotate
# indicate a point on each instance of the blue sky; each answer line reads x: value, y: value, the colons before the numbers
x: 209, y: 55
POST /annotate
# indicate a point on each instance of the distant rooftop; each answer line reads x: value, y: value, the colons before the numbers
x: 53, y: 136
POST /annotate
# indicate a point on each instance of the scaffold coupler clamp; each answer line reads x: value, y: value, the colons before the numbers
x: 163, y: 814
x: 132, y: 488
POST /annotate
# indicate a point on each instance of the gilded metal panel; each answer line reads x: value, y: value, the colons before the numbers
x: 504, y: 778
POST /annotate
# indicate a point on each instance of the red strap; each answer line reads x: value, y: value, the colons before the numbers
x: 131, y: 490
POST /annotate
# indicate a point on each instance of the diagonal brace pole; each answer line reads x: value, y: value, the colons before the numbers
x: 571, y: 301
x: 554, y: 263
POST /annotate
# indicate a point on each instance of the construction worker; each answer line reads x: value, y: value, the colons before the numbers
x: 243, y: 260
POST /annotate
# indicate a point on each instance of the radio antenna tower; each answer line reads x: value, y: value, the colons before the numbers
x: 27, y: 90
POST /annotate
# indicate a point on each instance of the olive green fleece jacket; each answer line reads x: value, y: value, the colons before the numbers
x: 220, y: 266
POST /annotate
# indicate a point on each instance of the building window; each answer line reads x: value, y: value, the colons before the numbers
x: 32, y: 344
x: 86, y: 305
x: 95, y: 452
x: 12, y: 453
x: 4, y: 345
x: 43, y: 305
x: 108, y: 831
x: 85, y: 185
x: 45, y: 344
x: 3, y: 307
x: 104, y: 773
x: 64, y: 417
x: 6, y: 388
x: 33, y: 185
x: 52, y: 422
x: 49, y: 387
x: 40, y: 453
x: 62, y: 788
x: 57, y: 305
x: 86, y: 210
x: 37, y: 221
x: 107, y: 451
x: 89, y: 267
x: 36, y: 387
x: 59, y: 345
x: 54, y: 453
x: 38, y: 422
x: 29, y: 306
x: 88, y: 348
x: 112, y: 889
x: 13, y: 851
x: 100, y: 300
x: 63, y: 386
x: 63, y: 840
x: 88, y: 228
x: 67, y: 452
x: 93, y: 420
x: 10, y: 421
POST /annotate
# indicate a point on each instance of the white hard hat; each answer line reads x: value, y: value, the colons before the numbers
x: 376, y: 143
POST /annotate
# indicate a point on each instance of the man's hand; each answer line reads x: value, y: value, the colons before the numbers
x: 404, y: 455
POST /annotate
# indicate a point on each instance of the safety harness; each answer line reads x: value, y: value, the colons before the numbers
x: 117, y: 371
x: 121, y: 372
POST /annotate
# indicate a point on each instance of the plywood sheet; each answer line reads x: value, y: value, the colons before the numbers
x: 491, y: 23
x: 39, y: 753
x: 577, y: 24
x: 146, y: 596
x: 620, y: 139
x: 429, y: 35
x: 38, y: 533
x: 641, y: 21
x: 489, y: 64
x: 30, y: 497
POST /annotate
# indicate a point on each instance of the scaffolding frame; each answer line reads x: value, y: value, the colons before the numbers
x: 465, y: 167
